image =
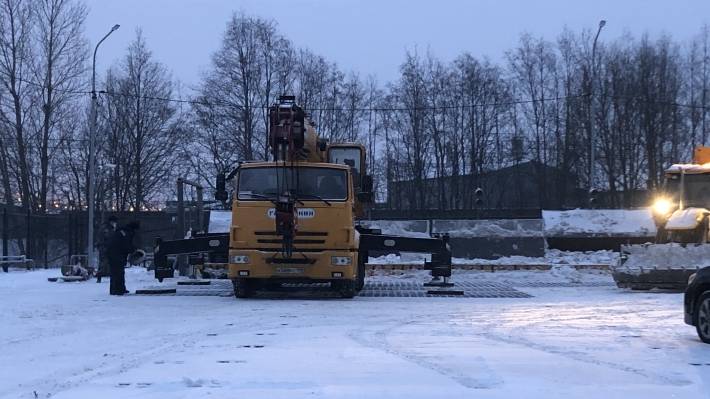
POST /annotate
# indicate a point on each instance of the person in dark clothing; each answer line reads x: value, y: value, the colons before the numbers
x: 107, y: 231
x: 119, y: 247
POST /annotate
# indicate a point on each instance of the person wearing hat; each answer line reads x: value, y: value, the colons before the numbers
x: 119, y: 247
x: 107, y: 231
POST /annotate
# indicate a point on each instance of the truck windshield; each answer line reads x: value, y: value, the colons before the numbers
x: 696, y: 191
x: 305, y: 183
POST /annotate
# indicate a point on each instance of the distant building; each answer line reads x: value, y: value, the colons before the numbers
x: 525, y: 185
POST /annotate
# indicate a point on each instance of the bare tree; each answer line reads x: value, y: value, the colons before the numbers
x: 18, y: 101
x: 144, y: 129
x: 60, y: 66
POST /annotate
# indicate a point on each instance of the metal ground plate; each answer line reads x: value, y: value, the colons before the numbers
x: 391, y: 289
x: 471, y: 289
x: 402, y: 289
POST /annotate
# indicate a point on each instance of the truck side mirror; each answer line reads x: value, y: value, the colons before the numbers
x: 365, y: 197
x: 367, y: 183
x: 220, y: 193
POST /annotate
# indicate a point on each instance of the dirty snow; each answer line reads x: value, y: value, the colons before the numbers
x: 612, y: 222
x: 73, y: 341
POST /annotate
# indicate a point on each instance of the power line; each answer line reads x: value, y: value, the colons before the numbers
x: 44, y: 86
x: 363, y: 109
x: 356, y: 109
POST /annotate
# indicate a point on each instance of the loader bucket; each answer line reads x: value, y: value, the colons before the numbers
x: 664, y: 266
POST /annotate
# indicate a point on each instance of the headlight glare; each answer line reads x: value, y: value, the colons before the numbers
x: 662, y: 206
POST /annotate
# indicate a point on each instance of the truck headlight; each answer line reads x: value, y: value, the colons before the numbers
x: 240, y: 259
x: 341, y: 260
x: 691, y: 278
x: 662, y: 206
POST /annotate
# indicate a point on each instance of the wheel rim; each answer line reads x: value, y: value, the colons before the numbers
x: 704, y: 318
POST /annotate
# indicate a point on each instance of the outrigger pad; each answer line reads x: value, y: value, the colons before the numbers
x: 441, y: 284
x: 194, y: 282
x: 445, y: 292
x: 156, y: 291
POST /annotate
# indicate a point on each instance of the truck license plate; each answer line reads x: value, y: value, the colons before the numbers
x: 289, y: 270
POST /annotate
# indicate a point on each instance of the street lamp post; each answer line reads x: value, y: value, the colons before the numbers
x: 592, y: 109
x: 92, y: 155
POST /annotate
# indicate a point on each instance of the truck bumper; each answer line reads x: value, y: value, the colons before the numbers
x: 316, y: 266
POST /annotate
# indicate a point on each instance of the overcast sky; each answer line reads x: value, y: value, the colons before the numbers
x: 371, y: 36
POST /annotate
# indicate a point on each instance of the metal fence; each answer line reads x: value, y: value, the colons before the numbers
x: 50, y: 239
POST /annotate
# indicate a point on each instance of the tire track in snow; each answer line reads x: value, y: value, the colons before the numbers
x: 379, y: 340
x: 584, y: 358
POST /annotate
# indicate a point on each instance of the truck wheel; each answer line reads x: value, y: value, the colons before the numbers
x: 360, y: 273
x: 701, y: 233
x: 242, y: 288
x: 345, y: 288
x: 702, y: 317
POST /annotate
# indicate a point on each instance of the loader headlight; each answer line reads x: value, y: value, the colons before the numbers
x: 662, y: 206
x: 341, y: 260
x: 241, y: 259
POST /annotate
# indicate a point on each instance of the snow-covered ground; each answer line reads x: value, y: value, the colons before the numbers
x: 74, y: 341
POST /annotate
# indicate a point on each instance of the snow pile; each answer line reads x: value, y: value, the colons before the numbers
x: 552, y: 257
x: 666, y: 256
x: 489, y: 228
x: 220, y: 221
x: 608, y: 222
x: 685, y: 219
x: 689, y: 168
x: 405, y: 228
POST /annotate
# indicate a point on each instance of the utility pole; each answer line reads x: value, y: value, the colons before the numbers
x: 92, y: 157
x: 592, y: 108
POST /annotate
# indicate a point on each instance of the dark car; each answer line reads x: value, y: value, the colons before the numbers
x: 697, y: 303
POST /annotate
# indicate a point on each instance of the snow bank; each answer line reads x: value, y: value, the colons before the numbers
x: 220, y: 221
x: 608, y: 222
x: 552, y: 257
x: 489, y: 228
x: 406, y: 228
x: 668, y: 256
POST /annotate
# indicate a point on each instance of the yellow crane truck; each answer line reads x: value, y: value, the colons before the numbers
x: 295, y: 217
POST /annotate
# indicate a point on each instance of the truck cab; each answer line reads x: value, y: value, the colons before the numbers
x: 324, y: 246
